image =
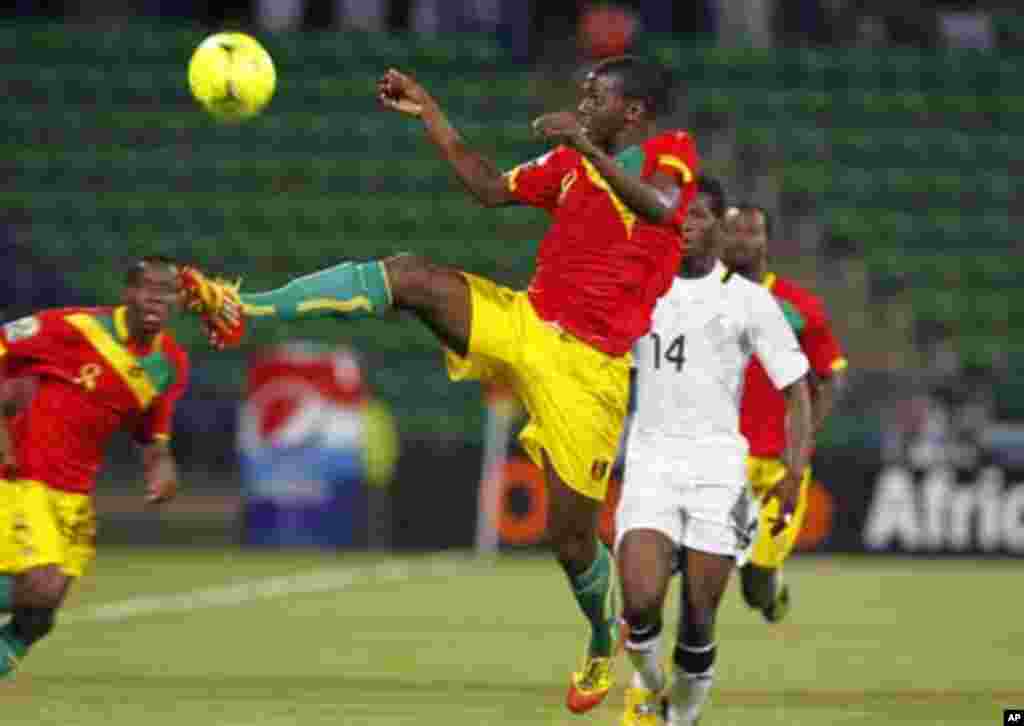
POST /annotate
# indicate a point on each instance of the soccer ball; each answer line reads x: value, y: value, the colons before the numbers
x: 232, y: 76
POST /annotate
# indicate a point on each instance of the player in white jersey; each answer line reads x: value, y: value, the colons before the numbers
x: 685, y: 494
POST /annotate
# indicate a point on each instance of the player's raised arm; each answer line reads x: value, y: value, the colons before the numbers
x: 480, y: 176
x: 654, y: 199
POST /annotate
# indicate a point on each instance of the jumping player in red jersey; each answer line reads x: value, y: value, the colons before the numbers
x: 617, y: 191
x: 96, y: 371
x: 747, y: 232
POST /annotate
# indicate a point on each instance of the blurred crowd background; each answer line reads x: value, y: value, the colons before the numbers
x: 884, y: 136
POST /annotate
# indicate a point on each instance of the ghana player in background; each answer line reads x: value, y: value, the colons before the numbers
x: 617, y: 189
x: 95, y: 371
x: 746, y: 236
x: 685, y: 499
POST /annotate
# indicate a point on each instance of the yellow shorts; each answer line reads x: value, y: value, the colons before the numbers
x: 575, y: 394
x: 768, y: 551
x: 42, y: 526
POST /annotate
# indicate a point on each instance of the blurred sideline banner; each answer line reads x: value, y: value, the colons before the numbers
x: 310, y: 442
x: 942, y: 509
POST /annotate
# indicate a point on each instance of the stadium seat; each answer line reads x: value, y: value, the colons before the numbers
x: 113, y: 158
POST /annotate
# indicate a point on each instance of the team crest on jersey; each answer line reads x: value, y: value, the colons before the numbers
x: 21, y: 329
x: 599, y: 469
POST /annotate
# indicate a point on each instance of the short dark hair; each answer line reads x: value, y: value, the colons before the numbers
x: 769, y: 220
x: 138, y: 265
x: 641, y: 79
x: 707, y: 184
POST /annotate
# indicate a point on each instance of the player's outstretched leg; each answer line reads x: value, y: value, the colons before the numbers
x: 645, y: 558
x: 572, y: 533
x: 348, y: 291
x: 705, y: 577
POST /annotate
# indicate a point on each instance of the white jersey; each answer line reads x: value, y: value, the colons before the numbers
x: 690, y: 369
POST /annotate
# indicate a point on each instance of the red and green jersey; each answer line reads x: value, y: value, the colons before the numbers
x: 763, y: 408
x: 91, y: 380
x: 600, y: 267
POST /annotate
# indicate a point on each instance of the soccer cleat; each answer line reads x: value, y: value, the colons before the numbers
x: 590, y: 685
x: 217, y: 302
x: 9, y: 658
x: 643, y: 708
x: 7, y: 669
x: 779, y: 608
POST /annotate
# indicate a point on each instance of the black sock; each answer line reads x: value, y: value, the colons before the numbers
x: 695, y: 659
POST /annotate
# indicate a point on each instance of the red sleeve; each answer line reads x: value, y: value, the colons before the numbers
x: 818, y: 341
x: 538, y: 183
x: 675, y: 153
x: 32, y: 336
x: 157, y: 422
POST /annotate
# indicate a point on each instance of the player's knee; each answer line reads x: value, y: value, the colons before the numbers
x: 758, y: 586
x: 42, y: 588
x: 573, y: 546
x: 412, y: 279
x: 641, y: 607
x: 33, y: 624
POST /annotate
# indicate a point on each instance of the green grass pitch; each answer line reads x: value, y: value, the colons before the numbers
x: 229, y: 638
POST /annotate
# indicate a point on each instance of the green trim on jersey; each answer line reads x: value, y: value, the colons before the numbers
x: 793, y: 316
x: 631, y: 159
x: 156, y: 365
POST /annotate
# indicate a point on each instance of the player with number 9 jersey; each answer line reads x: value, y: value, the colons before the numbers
x: 95, y: 371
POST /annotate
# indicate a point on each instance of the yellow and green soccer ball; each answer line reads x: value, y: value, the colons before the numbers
x: 232, y: 76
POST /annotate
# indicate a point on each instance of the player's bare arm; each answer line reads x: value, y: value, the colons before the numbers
x: 796, y: 457
x: 826, y: 392
x: 480, y: 176
x: 8, y: 460
x: 654, y: 198
x: 160, y: 471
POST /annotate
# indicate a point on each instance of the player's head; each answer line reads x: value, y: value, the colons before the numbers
x: 746, y: 231
x: 621, y: 92
x: 150, y: 294
x: 704, y: 212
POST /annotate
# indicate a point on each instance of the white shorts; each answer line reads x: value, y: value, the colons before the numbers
x: 719, y: 518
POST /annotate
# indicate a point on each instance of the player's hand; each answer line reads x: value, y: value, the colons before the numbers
x: 561, y: 127
x: 161, y: 473
x: 787, y: 492
x: 161, y: 490
x: 399, y: 92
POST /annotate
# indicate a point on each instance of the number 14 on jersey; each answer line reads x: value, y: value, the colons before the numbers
x: 674, y: 354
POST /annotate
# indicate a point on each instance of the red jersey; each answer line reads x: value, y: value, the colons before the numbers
x: 600, y: 267
x: 763, y: 408
x: 91, y: 380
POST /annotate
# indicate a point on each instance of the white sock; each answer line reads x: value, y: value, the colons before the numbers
x: 688, y: 695
x: 645, y: 655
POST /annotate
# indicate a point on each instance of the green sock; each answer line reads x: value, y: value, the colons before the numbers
x: 6, y: 593
x: 350, y: 290
x: 11, y: 647
x: 591, y: 590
